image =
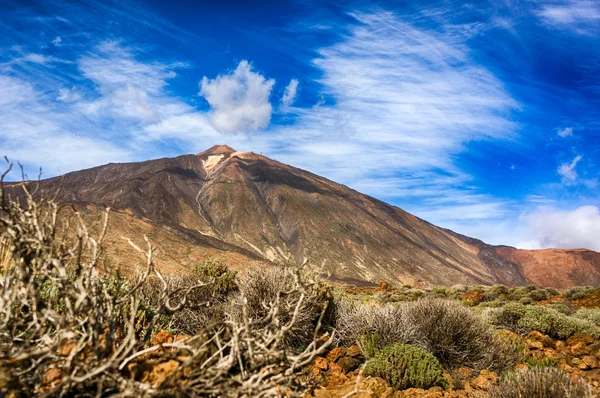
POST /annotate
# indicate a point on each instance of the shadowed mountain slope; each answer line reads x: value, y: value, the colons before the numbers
x: 264, y: 210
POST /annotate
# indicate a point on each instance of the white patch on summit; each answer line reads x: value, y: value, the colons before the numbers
x: 212, y: 161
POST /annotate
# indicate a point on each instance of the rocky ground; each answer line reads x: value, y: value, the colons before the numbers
x: 338, y: 374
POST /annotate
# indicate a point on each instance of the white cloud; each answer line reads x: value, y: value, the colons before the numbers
x: 57, y: 41
x: 290, y: 93
x: 550, y: 227
x: 567, y: 170
x: 565, y: 132
x: 68, y: 95
x: 40, y: 59
x: 404, y: 102
x: 32, y: 131
x: 580, y: 16
x: 239, y: 101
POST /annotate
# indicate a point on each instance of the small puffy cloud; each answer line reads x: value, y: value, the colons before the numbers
x: 567, y: 170
x: 57, y: 41
x: 239, y: 101
x: 565, y: 132
x: 290, y: 93
x: 579, y: 228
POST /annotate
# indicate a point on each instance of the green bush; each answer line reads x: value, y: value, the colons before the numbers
x: 223, y: 279
x: 561, y: 307
x: 494, y: 292
x: 405, y: 366
x: 541, y: 382
x: 522, y: 319
x: 538, y: 295
x: 590, y: 315
x: 526, y: 300
x: 578, y: 296
x: 548, y: 362
x: 579, y: 292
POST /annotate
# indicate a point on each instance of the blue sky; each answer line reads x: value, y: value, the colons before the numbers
x: 482, y: 117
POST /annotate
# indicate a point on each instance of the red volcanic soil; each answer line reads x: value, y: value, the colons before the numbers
x: 557, y: 268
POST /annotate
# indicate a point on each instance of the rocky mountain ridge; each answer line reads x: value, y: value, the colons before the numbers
x: 247, y: 208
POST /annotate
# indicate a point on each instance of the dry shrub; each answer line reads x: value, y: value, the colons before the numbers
x: 373, y: 327
x: 457, y: 336
x: 68, y: 328
x: 261, y: 289
x: 203, y: 306
x: 541, y: 382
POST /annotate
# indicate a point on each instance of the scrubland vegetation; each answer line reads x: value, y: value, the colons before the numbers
x: 72, y: 326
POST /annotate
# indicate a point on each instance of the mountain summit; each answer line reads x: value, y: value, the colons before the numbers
x: 246, y: 207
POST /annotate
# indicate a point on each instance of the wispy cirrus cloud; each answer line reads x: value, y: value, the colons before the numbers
x: 402, y: 102
x: 289, y: 95
x: 567, y: 170
x: 580, y: 16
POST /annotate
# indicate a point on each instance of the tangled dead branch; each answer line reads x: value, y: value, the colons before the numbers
x: 67, y: 327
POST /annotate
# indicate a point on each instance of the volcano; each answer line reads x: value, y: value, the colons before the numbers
x: 245, y: 208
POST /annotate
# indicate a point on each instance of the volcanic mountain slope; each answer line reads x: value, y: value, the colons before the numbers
x: 254, y: 208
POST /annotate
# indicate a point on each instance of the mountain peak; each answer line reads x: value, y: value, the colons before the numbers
x: 218, y: 150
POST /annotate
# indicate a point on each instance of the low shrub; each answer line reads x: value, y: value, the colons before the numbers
x: 457, y: 336
x: 405, y: 366
x: 203, y: 304
x: 223, y: 279
x: 590, y: 315
x: 541, y: 382
x: 522, y: 319
x: 526, y: 300
x: 262, y: 289
x: 561, y: 307
x: 538, y: 295
x: 494, y: 292
x: 548, y: 362
x: 377, y: 326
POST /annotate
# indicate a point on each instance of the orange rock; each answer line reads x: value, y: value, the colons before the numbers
x: 590, y: 361
x: 580, y: 338
x: 321, y: 363
x: 384, y: 286
x: 414, y: 392
x: 160, y: 372
x: 335, y: 354
x: 536, y: 336
x: 485, y: 380
x: 334, y: 378
x: 66, y: 348
x: 579, y: 363
x: 51, y: 378
x: 534, y: 344
x: 580, y: 349
x: 163, y: 338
